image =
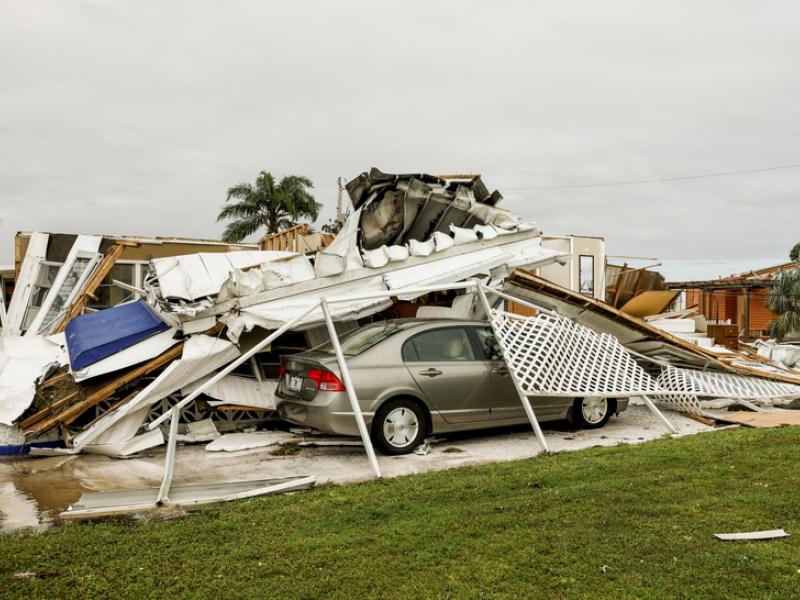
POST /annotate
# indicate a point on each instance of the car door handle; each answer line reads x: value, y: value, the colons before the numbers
x: 500, y: 371
x: 431, y: 372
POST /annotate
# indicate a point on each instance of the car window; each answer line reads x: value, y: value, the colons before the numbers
x: 357, y: 341
x: 488, y: 344
x: 443, y: 345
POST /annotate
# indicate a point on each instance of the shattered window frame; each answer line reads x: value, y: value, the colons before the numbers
x: 106, y: 289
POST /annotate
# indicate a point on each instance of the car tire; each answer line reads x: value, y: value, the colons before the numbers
x: 399, y: 427
x: 592, y: 413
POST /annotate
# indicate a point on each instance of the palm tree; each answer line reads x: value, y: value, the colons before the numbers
x: 784, y: 299
x: 266, y: 204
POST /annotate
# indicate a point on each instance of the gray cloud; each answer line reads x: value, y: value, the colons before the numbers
x: 134, y: 117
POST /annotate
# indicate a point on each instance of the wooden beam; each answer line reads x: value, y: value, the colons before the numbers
x: 47, y: 410
x: 104, y: 392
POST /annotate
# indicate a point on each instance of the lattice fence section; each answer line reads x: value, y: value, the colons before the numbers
x: 550, y: 355
x: 724, y: 385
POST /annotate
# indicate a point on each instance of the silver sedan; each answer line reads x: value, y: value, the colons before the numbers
x: 416, y: 377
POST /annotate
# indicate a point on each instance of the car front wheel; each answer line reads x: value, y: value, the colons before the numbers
x: 399, y: 427
x: 592, y: 413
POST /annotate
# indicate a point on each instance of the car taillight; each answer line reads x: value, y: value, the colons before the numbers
x: 281, y: 370
x: 325, y: 380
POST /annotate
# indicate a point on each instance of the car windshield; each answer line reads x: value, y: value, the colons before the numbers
x: 358, y: 340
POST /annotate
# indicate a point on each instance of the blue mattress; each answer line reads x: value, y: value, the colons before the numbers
x: 97, y: 335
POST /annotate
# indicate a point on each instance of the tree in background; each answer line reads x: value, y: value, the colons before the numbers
x: 784, y: 299
x: 268, y: 205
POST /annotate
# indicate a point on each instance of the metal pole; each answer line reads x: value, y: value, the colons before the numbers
x: 169, y: 461
x: 351, y: 390
x: 174, y: 413
x: 659, y: 414
x: 522, y: 396
x: 339, y: 211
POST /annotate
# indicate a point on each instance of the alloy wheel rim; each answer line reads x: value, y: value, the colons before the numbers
x: 594, y: 410
x: 400, y: 427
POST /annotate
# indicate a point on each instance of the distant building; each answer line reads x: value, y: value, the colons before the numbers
x: 739, y: 300
x: 585, y: 272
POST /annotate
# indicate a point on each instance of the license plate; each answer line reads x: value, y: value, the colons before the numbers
x: 294, y: 383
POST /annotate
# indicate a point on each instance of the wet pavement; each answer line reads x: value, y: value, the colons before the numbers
x: 33, y: 490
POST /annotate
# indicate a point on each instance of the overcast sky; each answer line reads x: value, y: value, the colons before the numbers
x: 134, y: 117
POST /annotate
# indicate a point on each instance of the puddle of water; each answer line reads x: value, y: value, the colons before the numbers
x: 32, y: 497
x: 19, y: 511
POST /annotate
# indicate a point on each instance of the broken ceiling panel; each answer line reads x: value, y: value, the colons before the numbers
x: 194, y: 276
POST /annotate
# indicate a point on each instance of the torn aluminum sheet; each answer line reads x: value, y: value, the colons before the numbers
x: 102, y: 504
x: 83, y: 257
x: 446, y: 267
x: 195, y: 276
x: 234, y: 442
x: 342, y: 254
x: 399, y: 208
x: 271, y: 308
x: 202, y: 354
x: 237, y: 390
x: 25, y: 283
x: 269, y: 275
x: 24, y: 360
x: 787, y: 355
x: 133, y: 355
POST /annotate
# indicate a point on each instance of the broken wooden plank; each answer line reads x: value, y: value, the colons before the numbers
x: 105, y: 391
x: 699, y: 419
x: 47, y: 410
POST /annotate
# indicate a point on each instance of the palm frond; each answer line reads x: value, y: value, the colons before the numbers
x: 238, y: 210
x: 241, y: 191
x: 238, y: 230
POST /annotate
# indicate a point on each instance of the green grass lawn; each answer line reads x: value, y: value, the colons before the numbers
x: 623, y: 522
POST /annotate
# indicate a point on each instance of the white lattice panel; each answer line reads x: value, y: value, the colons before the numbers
x: 724, y: 385
x: 550, y: 355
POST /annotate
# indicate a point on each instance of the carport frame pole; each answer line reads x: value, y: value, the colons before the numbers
x: 173, y: 414
x: 351, y: 390
x: 526, y: 403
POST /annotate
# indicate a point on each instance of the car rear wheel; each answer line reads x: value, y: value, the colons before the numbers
x: 399, y: 427
x: 592, y: 413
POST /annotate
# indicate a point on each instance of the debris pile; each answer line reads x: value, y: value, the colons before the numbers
x: 118, y: 368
